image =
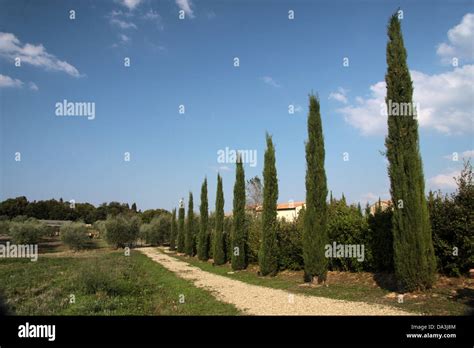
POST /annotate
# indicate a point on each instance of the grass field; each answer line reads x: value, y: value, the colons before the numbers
x: 450, y: 296
x: 103, y: 282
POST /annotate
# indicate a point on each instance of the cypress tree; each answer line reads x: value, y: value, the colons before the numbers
x: 267, y: 256
x: 203, y: 242
x: 189, y: 230
x: 239, y: 232
x: 173, y: 230
x: 180, y: 239
x: 414, y: 259
x: 219, y: 243
x: 315, y: 235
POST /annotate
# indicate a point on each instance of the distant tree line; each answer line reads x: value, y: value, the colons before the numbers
x: 53, y: 209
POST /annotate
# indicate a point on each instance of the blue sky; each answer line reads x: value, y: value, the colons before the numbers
x: 190, y: 62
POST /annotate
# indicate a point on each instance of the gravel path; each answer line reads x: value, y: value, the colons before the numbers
x: 259, y: 300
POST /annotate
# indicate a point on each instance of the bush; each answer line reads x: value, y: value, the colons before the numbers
x: 290, y: 246
x: 453, y: 226
x: 347, y: 226
x: 122, y: 231
x: 381, y: 240
x: 4, y: 227
x: 254, y: 238
x: 99, y: 226
x: 74, y: 235
x: 27, y: 232
x: 157, y: 232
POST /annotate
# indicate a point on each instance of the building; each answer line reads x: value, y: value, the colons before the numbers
x: 288, y: 211
x: 384, y: 204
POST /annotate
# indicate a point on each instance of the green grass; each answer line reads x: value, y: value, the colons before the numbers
x: 449, y: 297
x: 103, y: 282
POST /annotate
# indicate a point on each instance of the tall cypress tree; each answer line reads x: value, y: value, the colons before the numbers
x: 267, y: 256
x: 315, y: 235
x: 173, y: 230
x: 414, y: 259
x: 203, y: 242
x: 239, y: 232
x: 189, y: 230
x: 180, y: 239
x: 219, y: 243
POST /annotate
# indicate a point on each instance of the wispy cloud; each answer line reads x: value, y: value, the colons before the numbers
x: 130, y: 4
x: 8, y: 82
x: 124, y: 38
x: 122, y: 24
x: 36, y: 55
x: 339, y: 96
x: 151, y: 15
x: 270, y: 81
x: 33, y: 86
x: 186, y: 6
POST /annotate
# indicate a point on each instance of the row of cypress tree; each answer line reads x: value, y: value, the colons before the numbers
x: 414, y: 260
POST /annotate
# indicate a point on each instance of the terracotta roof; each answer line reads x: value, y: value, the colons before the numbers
x: 285, y: 206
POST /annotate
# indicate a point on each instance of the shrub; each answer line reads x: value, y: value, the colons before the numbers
x: 381, y: 240
x: 157, y: 231
x: 74, y: 235
x: 4, y: 227
x: 347, y: 226
x: 122, y: 230
x: 99, y: 226
x: 27, y: 232
x: 254, y: 237
x: 290, y: 247
x: 453, y: 225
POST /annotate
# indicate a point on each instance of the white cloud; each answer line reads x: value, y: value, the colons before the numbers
x: 124, y: 38
x: 186, y: 5
x: 123, y: 24
x: 130, y: 4
x: 36, y: 55
x: 7, y: 81
x: 298, y: 108
x: 154, y: 16
x: 461, y: 41
x: 444, y: 180
x: 151, y: 15
x: 365, y: 114
x: 339, y: 96
x: 270, y: 81
x: 33, y: 86
x: 445, y: 103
